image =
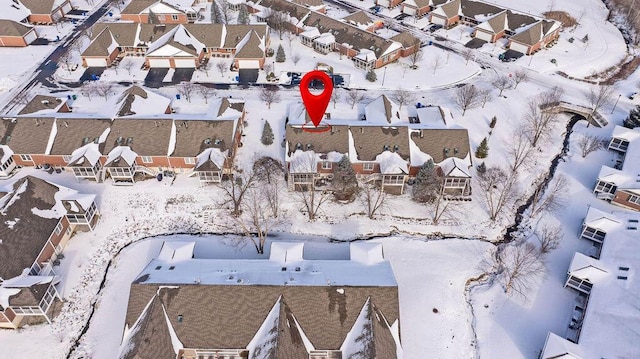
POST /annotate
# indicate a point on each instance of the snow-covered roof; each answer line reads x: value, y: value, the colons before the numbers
x: 123, y: 152
x: 418, y: 158
x: 454, y: 167
x: 211, y: 155
x: 14, y: 10
x: 628, y: 176
x: 602, y: 220
x: 557, y: 347
x: 391, y: 163
x: 311, y: 33
x: 366, y: 55
x: 366, y: 252
x: 303, y: 162
x: 141, y: 102
x: 300, y: 272
x: 6, y: 153
x: 612, y: 307
x: 325, y: 39
x: 286, y: 251
x: 588, y: 268
x: 176, y: 251
x: 169, y: 44
x: 90, y: 152
x: 383, y: 111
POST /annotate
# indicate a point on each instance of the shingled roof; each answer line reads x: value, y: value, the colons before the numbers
x: 359, y: 18
x: 194, y: 136
x: 434, y: 141
x: 27, y: 135
x: 73, y: 133
x: 370, y: 141
x: 149, y: 137
x: 336, y: 140
x: 13, y: 28
x: 41, y: 6
x: 150, y: 337
x: 23, y: 232
x: 218, y: 316
x: 42, y: 103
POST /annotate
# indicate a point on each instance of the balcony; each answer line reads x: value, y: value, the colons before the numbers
x: 578, y: 284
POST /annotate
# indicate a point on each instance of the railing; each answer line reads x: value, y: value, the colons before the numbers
x: 579, y: 284
x: 31, y: 310
x: 605, y: 195
x: 146, y: 170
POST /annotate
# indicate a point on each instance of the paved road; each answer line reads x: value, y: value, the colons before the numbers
x: 44, y: 72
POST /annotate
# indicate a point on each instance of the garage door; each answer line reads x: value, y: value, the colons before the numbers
x: 248, y: 64
x: 519, y: 47
x: 188, y: 63
x: 96, y: 62
x: 159, y: 63
x: 30, y: 37
x: 438, y: 20
x: 66, y: 8
x: 384, y: 3
x: 483, y: 36
x: 409, y: 10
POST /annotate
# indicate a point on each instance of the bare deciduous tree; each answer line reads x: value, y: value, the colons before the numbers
x: 295, y: 58
x: 498, y: 189
x: 354, y: 96
x: 521, y: 265
x: 269, y: 176
x: 467, y: 54
x: 225, y: 11
x: 549, y: 238
x: 269, y: 94
x: 103, y: 89
x: 519, y: 149
x: 88, y: 89
x: 403, y: 97
x: 549, y: 198
x: 372, y: 198
x: 519, y: 76
x: 255, y: 221
x: 222, y: 67
x: 335, y: 96
x: 599, y: 97
x: 206, y: 67
x: 235, y: 189
x: 485, y: 96
x: 206, y: 92
x: 501, y: 83
x: 128, y: 64
x: 436, y: 64
x: 186, y: 89
x: 590, y: 143
x: 312, y: 200
x: 66, y: 60
x: 467, y: 97
x: 538, y: 118
x: 277, y: 21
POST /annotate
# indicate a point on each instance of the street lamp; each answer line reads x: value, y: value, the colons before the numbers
x: 384, y: 74
x: 616, y: 104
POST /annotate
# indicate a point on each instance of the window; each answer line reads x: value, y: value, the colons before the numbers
x: 66, y: 158
x: 146, y: 159
x: 68, y: 231
x: 174, y: 17
x: 634, y: 199
x: 326, y: 165
x: 605, y: 187
x: 619, y: 144
x: 190, y: 160
x: 593, y: 234
x: 26, y: 158
x: 58, y: 229
x: 367, y: 166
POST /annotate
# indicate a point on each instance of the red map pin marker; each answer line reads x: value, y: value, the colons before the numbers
x: 316, y: 105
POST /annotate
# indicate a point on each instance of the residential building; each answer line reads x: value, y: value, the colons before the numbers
x: 386, y: 147
x: 292, y: 307
x: 605, y: 282
x: 390, y: 4
x: 177, y: 46
x: 41, y: 218
x: 157, y: 12
x: 620, y: 185
x: 16, y: 34
x: 47, y: 11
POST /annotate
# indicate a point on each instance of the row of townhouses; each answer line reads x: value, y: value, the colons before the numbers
x: 17, y: 18
x: 286, y: 306
x: 525, y: 33
x: 38, y: 218
x: 605, y: 313
x: 386, y: 146
x: 143, y: 137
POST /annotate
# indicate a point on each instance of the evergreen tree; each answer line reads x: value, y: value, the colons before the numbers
x: 216, y: 13
x: 371, y: 76
x: 633, y: 120
x: 243, y: 15
x: 280, y: 56
x: 493, y: 122
x: 267, y: 134
x: 482, y: 168
x: 427, y: 185
x: 344, y: 179
x: 153, y: 18
x: 483, y: 150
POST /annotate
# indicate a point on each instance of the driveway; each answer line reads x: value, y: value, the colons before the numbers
x: 155, y: 76
x: 247, y: 76
x: 91, y: 73
x: 182, y: 74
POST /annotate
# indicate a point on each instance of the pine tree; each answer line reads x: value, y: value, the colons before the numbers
x: 344, y: 179
x: 243, y: 15
x: 280, y: 56
x: 493, y: 122
x: 267, y: 134
x: 483, y: 149
x: 371, y: 76
x: 427, y: 185
x: 633, y: 120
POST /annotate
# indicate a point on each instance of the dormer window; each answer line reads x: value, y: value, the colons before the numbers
x: 396, y: 148
x: 385, y: 148
x: 298, y: 146
x: 309, y: 146
x: 207, y: 141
